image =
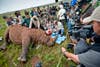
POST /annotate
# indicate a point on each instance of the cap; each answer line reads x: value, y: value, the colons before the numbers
x: 94, y: 16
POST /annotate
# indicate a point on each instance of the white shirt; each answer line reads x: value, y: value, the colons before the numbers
x: 36, y: 23
x: 61, y: 13
x: 60, y: 26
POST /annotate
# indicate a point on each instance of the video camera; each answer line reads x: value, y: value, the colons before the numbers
x: 82, y: 32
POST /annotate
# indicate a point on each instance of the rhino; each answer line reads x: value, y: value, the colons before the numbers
x: 24, y: 36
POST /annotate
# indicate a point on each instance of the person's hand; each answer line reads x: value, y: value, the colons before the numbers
x: 63, y: 50
x: 81, y: 20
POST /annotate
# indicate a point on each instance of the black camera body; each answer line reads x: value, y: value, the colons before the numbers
x: 82, y: 32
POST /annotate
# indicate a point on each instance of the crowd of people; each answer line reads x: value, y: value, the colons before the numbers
x: 37, y: 18
x: 57, y: 19
x: 85, y: 37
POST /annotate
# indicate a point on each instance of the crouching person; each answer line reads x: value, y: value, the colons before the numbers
x: 58, y: 27
x: 90, y: 57
x: 34, y: 22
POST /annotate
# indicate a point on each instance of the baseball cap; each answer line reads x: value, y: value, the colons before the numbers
x: 94, y: 16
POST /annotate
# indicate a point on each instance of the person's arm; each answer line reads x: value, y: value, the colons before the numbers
x: 58, y: 14
x: 20, y: 20
x: 13, y: 23
x: 70, y: 55
x: 30, y: 25
x: 38, y: 24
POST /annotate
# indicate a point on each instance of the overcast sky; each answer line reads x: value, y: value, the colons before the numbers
x: 13, y: 5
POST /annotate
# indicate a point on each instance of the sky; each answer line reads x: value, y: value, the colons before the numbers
x: 13, y: 5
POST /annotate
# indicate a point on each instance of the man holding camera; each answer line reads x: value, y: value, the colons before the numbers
x: 90, y: 56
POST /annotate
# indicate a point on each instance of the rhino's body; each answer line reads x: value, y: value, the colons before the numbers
x: 18, y: 34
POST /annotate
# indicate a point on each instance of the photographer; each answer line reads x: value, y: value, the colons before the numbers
x: 80, y: 30
x: 90, y: 57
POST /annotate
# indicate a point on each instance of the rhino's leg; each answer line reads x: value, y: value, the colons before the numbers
x: 25, y: 44
x: 6, y: 40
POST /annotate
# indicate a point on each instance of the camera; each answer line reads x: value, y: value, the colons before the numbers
x: 83, y: 31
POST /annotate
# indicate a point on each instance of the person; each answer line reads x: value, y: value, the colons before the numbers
x: 9, y: 20
x: 27, y: 18
x: 86, y: 12
x: 59, y: 27
x: 18, y: 17
x: 72, y: 11
x: 70, y: 23
x: 89, y: 57
x: 49, y: 27
x: 34, y: 22
x: 34, y: 12
x: 61, y: 14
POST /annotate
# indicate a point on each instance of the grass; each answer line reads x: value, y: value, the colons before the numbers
x: 50, y: 56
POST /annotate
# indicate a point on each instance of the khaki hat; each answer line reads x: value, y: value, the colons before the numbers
x: 94, y: 16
